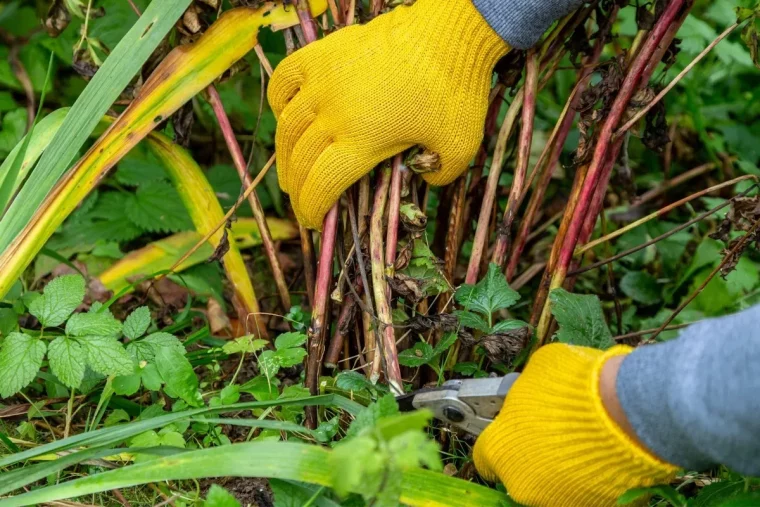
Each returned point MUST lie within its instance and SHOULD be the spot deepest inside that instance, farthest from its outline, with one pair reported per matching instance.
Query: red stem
(253, 199)
(523, 158)
(394, 205)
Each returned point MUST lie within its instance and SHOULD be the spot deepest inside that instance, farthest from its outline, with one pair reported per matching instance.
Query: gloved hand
(419, 75)
(554, 443)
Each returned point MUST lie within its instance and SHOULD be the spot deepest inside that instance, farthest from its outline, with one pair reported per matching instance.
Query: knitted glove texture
(418, 75)
(554, 444)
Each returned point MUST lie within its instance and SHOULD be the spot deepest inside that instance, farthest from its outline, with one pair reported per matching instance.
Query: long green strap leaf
(115, 74)
(117, 434)
(280, 460)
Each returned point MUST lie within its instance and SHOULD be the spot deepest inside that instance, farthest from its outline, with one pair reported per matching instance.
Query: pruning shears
(469, 404)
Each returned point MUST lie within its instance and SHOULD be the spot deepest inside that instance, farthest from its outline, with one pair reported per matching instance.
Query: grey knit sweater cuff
(521, 22)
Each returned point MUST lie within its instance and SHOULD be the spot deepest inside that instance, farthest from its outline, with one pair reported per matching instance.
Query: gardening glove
(553, 443)
(418, 75)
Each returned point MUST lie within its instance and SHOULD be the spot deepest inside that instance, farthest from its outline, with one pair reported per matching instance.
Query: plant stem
(662, 212)
(638, 334)
(309, 262)
(385, 351)
(638, 116)
(258, 211)
(479, 243)
(342, 328)
(601, 158)
(523, 158)
(394, 205)
(726, 259)
(661, 237)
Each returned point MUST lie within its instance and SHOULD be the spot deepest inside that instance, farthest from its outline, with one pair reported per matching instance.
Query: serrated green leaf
(67, 360)
(289, 340)
(151, 378)
(269, 363)
(178, 374)
(248, 344)
(327, 429)
(447, 340)
(162, 340)
(107, 356)
(417, 355)
(116, 417)
(156, 207)
(126, 385)
(349, 380)
(580, 318)
(489, 295)
(368, 418)
(137, 323)
(472, 320)
(60, 298)
(220, 497)
(261, 388)
(290, 356)
(508, 325)
(357, 466)
(414, 449)
(93, 324)
(20, 360)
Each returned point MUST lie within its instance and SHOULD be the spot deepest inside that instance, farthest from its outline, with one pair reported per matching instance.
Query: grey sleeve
(695, 401)
(521, 22)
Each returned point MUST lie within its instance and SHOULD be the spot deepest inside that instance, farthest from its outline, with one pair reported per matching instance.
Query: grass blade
(281, 460)
(117, 71)
(183, 73)
(159, 256)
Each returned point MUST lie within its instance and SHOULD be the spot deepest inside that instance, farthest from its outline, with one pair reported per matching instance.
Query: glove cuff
(554, 424)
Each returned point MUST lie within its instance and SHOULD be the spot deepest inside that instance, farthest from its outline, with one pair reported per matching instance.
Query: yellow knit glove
(419, 75)
(553, 443)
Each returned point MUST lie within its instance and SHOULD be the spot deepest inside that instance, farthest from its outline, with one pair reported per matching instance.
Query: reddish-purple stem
(253, 199)
(394, 205)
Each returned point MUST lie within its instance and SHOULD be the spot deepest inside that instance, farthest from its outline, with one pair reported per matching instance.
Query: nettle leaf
(247, 344)
(581, 320)
(67, 359)
(447, 340)
(352, 381)
(368, 418)
(508, 325)
(162, 340)
(420, 353)
(290, 357)
(60, 298)
(641, 287)
(156, 207)
(178, 374)
(107, 356)
(137, 323)
(89, 324)
(20, 360)
(289, 340)
(220, 497)
(472, 320)
(488, 295)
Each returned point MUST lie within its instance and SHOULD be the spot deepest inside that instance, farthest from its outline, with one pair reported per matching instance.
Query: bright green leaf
(420, 353)
(67, 360)
(289, 340)
(641, 287)
(178, 375)
(472, 320)
(61, 297)
(93, 323)
(20, 360)
(220, 497)
(580, 319)
(137, 323)
(107, 356)
(489, 295)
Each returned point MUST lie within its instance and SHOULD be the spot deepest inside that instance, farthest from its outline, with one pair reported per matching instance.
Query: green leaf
(112, 78)
(290, 357)
(717, 493)
(8, 321)
(289, 340)
(61, 297)
(580, 319)
(93, 323)
(13, 128)
(178, 375)
(219, 497)
(161, 340)
(137, 323)
(327, 429)
(245, 344)
(151, 378)
(508, 325)
(20, 360)
(349, 380)
(230, 394)
(67, 360)
(447, 340)
(420, 353)
(296, 494)
(261, 388)
(156, 207)
(675, 498)
(269, 363)
(368, 418)
(472, 320)
(641, 287)
(116, 417)
(489, 295)
(413, 449)
(107, 356)
(126, 385)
